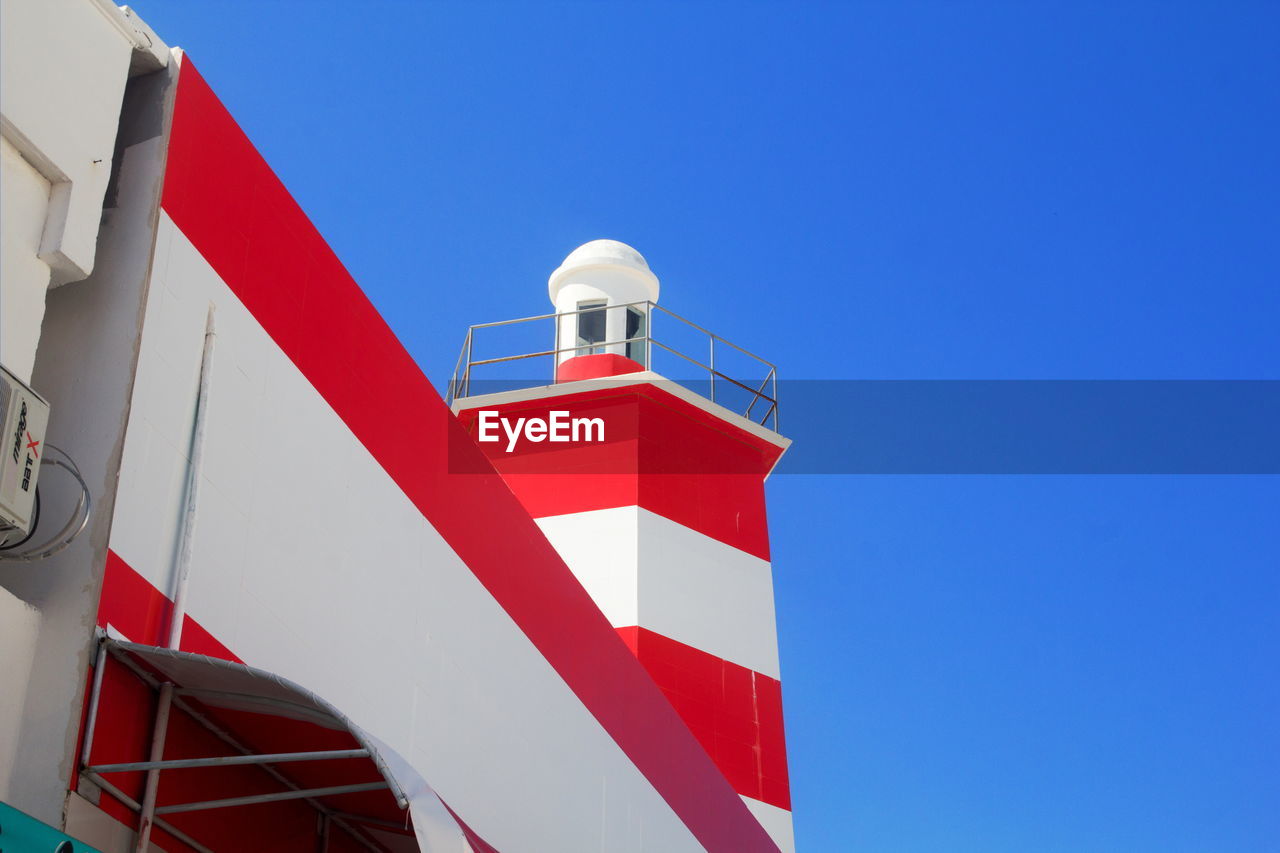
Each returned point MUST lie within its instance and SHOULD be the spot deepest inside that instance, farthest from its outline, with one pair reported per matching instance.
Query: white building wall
(23, 202)
(84, 367)
(19, 625)
(63, 68)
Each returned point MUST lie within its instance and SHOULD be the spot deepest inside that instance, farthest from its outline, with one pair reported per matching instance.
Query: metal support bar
(186, 540)
(133, 805)
(457, 368)
(146, 815)
(712, 338)
(471, 354)
(773, 373)
(646, 303)
(742, 350)
(276, 774)
(372, 821)
(648, 338)
(91, 722)
(723, 376)
(759, 393)
(230, 760)
(555, 358)
(560, 314)
(557, 352)
(302, 794)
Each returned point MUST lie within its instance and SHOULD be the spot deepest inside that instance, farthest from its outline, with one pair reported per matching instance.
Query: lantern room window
(591, 326)
(635, 329)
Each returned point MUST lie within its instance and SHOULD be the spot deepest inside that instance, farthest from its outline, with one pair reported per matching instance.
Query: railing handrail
(460, 386)
(712, 334)
(564, 314)
(651, 305)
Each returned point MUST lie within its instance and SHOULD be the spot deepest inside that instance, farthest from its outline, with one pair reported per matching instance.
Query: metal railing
(763, 405)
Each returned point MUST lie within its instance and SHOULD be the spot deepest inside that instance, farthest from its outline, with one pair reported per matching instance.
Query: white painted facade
(646, 570)
(79, 352)
(19, 627)
(58, 142)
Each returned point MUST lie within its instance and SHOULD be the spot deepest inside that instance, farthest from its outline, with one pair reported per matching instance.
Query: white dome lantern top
(609, 269)
(602, 294)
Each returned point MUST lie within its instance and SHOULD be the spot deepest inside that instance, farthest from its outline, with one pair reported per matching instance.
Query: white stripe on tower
(646, 570)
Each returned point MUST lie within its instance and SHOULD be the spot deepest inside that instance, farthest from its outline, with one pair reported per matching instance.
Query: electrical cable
(35, 522)
(74, 526)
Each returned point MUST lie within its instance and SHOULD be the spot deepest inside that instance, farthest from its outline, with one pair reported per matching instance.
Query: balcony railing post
(648, 336)
(555, 356)
(712, 338)
(466, 376)
(773, 372)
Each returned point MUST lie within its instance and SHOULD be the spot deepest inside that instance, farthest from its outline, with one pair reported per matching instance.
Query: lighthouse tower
(662, 517)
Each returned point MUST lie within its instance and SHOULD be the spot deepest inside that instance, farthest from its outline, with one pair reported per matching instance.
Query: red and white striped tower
(663, 522)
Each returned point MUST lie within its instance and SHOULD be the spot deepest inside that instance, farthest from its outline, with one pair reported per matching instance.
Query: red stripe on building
(224, 198)
(734, 712)
(140, 612)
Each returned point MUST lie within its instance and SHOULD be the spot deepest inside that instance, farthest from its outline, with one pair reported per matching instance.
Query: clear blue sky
(878, 191)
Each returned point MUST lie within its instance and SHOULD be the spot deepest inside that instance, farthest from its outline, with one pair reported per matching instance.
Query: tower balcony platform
(618, 343)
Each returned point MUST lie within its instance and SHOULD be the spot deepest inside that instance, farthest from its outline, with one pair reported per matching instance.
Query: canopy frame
(127, 654)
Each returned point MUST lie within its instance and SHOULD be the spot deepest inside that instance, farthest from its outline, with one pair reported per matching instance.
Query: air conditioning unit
(24, 415)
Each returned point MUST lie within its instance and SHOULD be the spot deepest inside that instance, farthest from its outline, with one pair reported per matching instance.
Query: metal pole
(648, 336)
(92, 721)
(133, 805)
(776, 423)
(231, 760)
(193, 488)
(555, 357)
(272, 798)
(457, 372)
(371, 821)
(146, 816)
(466, 376)
(713, 368)
(160, 729)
